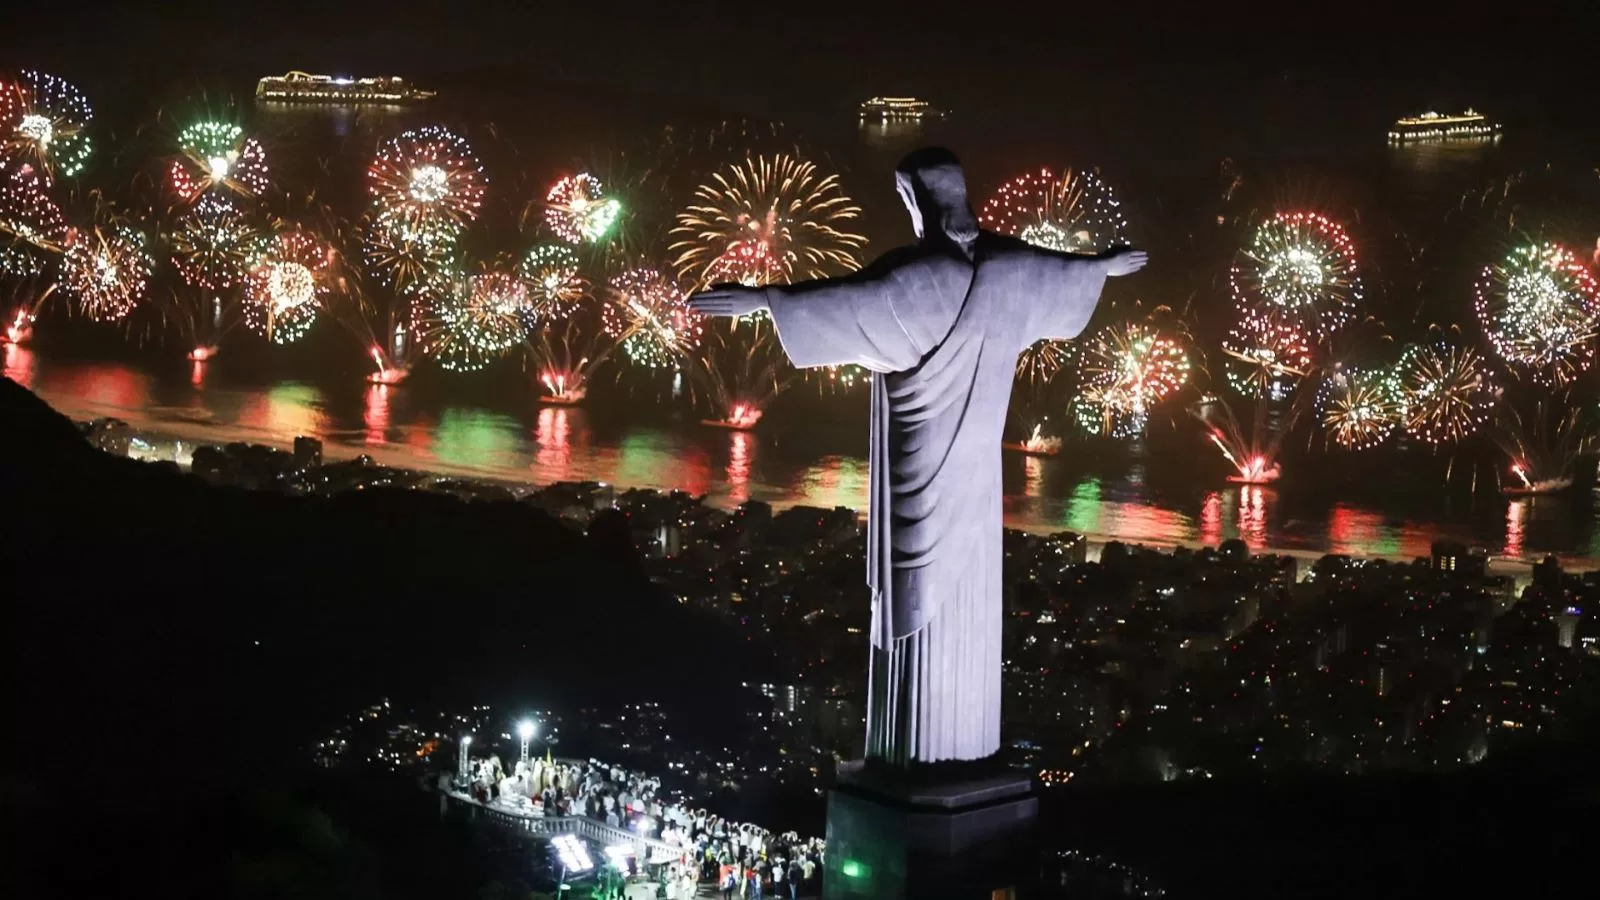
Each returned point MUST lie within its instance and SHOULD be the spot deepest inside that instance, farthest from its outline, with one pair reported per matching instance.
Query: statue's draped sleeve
(1067, 289)
(849, 320)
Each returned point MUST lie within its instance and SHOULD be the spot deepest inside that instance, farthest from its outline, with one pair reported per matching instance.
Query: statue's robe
(942, 331)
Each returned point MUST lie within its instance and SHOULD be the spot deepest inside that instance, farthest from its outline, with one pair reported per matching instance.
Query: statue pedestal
(962, 835)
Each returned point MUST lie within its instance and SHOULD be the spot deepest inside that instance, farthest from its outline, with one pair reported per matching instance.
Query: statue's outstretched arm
(1069, 287)
(848, 320)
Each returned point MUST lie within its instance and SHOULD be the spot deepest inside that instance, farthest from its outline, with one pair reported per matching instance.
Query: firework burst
(650, 318)
(1265, 359)
(770, 219)
(27, 214)
(427, 176)
(750, 263)
(45, 121)
(555, 285)
(1300, 271)
(107, 271)
(1360, 408)
(1071, 211)
(1446, 392)
(213, 244)
(1127, 369)
(1540, 309)
(287, 287)
(578, 210)
(217, 154)
(468, 321)
(403, 254)
(1043, 361)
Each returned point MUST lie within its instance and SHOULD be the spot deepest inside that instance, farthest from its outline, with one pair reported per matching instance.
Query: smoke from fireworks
(213, 244)
(769, 219)
(1446, 392)
(1540, 309)
(287, 287)
(217, 154)
(651, 318)
(44, 120)
(427, 176)
(1299, 271)
(578, 210)
(468, 321)
(107, 270)
(1071, 211)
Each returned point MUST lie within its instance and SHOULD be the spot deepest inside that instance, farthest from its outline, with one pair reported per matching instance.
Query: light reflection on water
(18, 364)
(541, 445)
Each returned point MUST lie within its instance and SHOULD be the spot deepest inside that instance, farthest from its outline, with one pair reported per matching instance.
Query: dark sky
(746, 57)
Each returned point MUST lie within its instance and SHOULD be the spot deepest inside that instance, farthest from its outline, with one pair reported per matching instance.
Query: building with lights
(1432, 126)
(303, 87)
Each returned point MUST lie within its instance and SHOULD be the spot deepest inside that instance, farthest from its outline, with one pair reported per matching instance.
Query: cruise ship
(303, 87)
(898, 109)
(1432, 126)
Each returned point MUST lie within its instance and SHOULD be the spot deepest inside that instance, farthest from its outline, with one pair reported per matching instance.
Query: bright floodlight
(465, 740)
(574, 855)
(619, 855)
(525, 729)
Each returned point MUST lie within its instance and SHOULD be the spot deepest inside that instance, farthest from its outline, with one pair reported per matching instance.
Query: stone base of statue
(959, 832)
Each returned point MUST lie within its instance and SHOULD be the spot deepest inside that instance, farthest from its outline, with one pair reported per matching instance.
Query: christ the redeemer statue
(940, 323)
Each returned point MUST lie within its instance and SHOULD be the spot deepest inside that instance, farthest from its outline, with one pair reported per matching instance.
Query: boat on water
(1536, 488)
(303, 87)
(1037, 444)
(897, 109)
(1031, 449)
(1434, 126)
(741, 417)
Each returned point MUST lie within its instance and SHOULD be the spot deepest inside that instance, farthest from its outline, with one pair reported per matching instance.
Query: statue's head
(934, 189)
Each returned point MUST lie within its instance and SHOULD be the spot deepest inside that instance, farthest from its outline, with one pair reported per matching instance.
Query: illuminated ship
(898, 109)
(302, 87)
(1432, 126)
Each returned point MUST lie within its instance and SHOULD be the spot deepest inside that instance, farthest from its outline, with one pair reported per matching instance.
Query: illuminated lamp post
(525, 732)
(462, 759)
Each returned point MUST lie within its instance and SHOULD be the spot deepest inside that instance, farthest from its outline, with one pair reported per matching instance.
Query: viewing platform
(534, 822)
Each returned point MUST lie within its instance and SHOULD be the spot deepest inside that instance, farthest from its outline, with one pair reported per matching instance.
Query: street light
(461, 758)
(525, 730)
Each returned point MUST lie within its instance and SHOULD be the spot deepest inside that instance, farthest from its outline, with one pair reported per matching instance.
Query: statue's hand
(729, 300)
(1125, 261)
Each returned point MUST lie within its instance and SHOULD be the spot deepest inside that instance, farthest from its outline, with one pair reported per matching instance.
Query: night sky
(772, 58)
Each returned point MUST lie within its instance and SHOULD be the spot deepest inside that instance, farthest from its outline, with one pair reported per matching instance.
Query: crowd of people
(741, 859)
